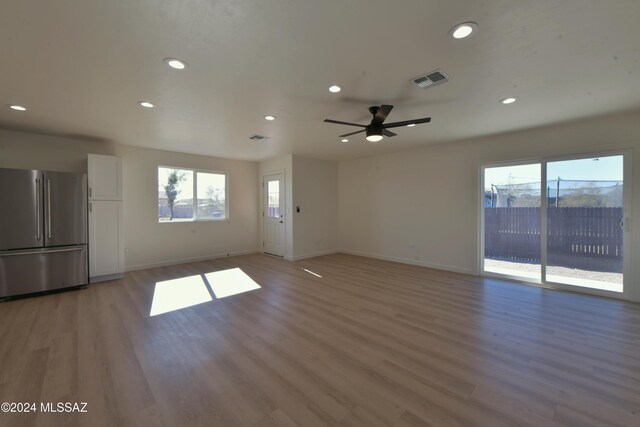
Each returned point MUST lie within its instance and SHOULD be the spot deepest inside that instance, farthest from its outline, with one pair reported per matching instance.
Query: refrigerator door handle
(40, 252)
(38, 201)
(50, 235)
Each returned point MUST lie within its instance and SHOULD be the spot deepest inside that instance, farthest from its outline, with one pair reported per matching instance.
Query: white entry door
(273, 214)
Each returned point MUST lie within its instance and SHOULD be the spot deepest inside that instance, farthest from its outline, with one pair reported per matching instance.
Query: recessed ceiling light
(345, 140)
(176, 63)
(335, 89)
(410, 125)
(145, 104)
(507, 101)
(463, 30)
(270, 118)
(17, 107)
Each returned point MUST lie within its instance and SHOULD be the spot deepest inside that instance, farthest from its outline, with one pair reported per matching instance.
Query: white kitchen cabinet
(106, 245)
(105, 177)
(106, 230)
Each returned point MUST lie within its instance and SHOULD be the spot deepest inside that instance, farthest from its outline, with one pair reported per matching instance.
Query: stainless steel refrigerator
(43, 231)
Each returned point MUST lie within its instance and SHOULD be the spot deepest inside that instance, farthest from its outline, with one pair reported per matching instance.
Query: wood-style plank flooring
(370, 343)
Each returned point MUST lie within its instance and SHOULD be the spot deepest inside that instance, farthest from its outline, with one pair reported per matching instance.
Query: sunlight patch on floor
(311, 272)
(179, 293)
(230, 282)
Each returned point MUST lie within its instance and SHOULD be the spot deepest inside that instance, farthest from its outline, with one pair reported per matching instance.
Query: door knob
(281, 222)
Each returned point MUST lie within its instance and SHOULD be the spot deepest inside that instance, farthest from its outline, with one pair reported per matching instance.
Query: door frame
(283, 197)
(627, 215)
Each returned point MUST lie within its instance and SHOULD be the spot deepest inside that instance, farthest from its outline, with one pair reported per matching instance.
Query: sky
(604, 169)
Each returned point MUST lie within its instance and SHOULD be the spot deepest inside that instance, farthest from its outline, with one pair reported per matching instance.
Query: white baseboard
(105, 278)
(312, 255)
(443, 267)
(305, 256)
(187, 260)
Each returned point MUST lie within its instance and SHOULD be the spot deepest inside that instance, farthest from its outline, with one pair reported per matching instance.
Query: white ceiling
(80, 66)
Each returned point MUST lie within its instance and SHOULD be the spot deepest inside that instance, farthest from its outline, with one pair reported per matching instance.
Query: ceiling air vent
(434, 78)
(257, 137)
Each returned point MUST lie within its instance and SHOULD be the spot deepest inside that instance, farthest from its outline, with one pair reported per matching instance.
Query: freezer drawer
(37, 270)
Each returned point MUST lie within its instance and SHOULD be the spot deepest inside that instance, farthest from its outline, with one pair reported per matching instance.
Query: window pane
(512, 220)
(211, 195)
(175, 194)
(584, 213)
(273, 202)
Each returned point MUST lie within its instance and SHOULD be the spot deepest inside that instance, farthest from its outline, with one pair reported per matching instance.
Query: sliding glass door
(558, 222)
(585, 211)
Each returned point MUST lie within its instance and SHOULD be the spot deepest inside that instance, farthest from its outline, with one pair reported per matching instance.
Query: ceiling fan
(377, 129)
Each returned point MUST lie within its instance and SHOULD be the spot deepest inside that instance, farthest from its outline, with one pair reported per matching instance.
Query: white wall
(149, 243)
(315, 190)
(313, 185)
(429, 196)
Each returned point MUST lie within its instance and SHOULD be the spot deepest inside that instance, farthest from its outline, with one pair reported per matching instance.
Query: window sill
(191, 221)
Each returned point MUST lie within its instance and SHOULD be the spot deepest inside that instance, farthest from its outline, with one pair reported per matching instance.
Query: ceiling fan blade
(381, 114)
(352, 133)
(344, 123)
(388, 133)
(406, 122)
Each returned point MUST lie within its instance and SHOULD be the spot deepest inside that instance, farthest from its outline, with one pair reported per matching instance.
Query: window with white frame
(191, 195)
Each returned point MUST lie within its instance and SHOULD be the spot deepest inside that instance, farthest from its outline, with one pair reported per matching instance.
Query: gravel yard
(599, 276)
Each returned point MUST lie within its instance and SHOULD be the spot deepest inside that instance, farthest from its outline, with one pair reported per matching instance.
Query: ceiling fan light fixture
(378, 129)
(374, 133)
(463, 30)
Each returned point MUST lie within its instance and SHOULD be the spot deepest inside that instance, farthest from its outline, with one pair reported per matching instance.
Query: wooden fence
(583, 238)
